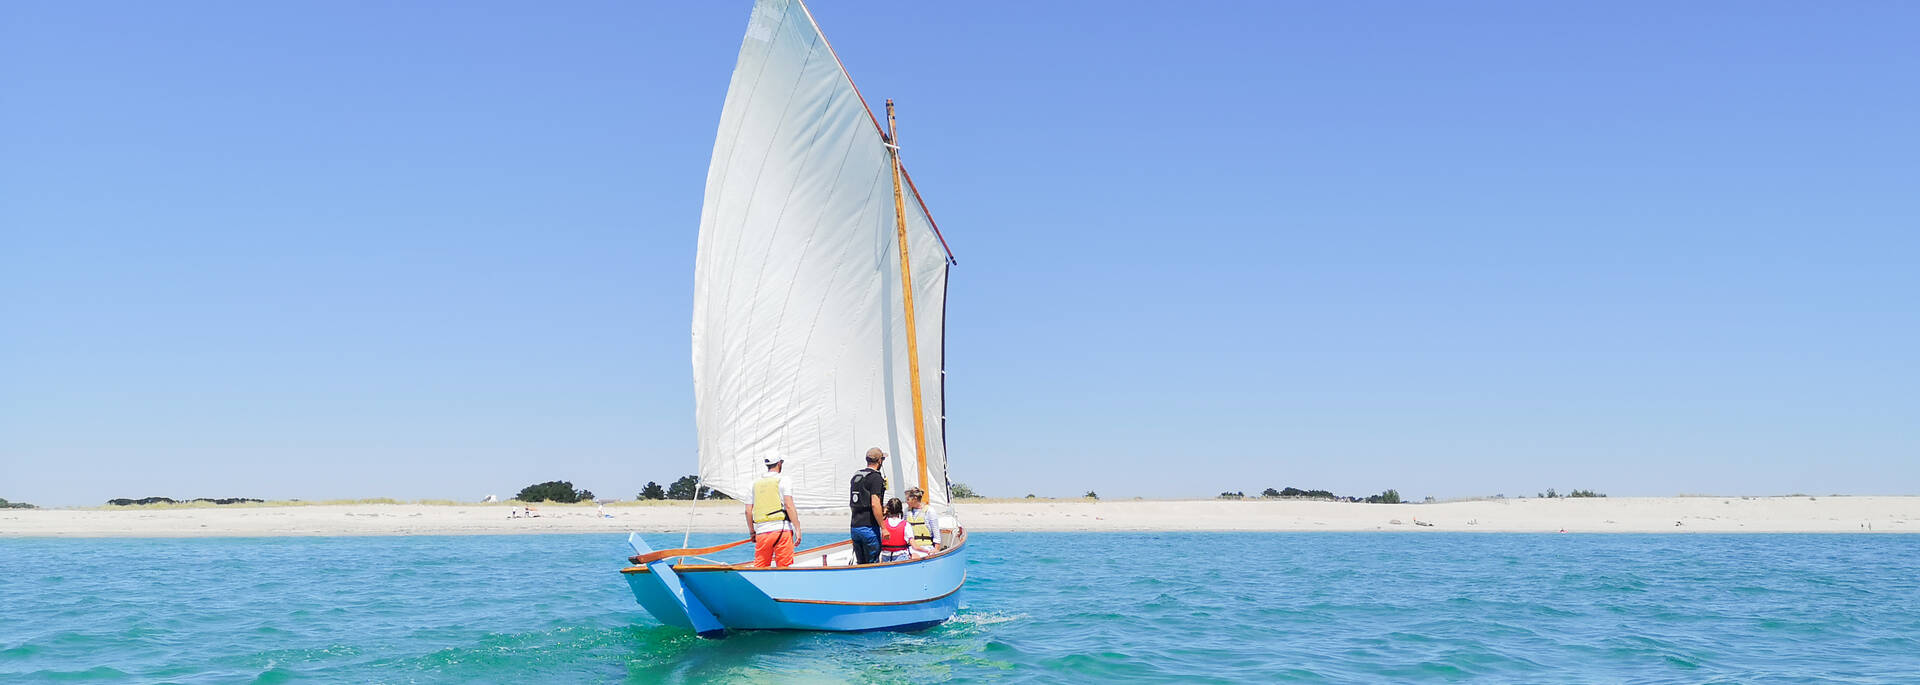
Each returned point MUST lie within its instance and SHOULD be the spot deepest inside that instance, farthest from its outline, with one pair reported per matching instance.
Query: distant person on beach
(925, 526)
(895, 534)
(863, 497)
(771, 518)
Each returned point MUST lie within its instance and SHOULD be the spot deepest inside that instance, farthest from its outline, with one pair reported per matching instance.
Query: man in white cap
(772, 519)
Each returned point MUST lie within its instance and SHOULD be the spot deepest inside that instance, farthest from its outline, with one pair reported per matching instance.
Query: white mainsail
(799, 335)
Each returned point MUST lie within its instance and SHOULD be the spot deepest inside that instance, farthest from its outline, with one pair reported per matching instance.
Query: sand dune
(1603, 515)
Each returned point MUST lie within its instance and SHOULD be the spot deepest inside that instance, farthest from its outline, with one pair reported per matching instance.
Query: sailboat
(818, 332)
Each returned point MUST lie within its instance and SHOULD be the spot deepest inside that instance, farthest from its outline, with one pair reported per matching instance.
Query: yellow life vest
(767, 504)
(920, 531)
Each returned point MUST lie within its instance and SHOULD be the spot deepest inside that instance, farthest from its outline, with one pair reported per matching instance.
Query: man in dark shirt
(863, 497)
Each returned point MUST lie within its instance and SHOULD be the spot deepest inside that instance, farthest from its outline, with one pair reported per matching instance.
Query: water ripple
(1204, 607)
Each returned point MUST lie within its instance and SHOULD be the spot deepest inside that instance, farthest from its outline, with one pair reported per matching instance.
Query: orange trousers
(773, 549)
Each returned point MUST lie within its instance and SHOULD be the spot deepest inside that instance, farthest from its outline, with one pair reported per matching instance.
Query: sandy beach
(1596, 515)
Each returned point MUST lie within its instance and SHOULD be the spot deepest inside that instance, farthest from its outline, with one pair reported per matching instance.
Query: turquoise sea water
(1038, 607)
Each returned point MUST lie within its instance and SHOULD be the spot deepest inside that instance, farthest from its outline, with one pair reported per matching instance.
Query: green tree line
(1391, 496)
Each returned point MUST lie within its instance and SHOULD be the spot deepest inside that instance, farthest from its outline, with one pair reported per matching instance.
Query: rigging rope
(692, 510)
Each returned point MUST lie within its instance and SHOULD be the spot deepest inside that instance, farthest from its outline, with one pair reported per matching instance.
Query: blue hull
(710, 598)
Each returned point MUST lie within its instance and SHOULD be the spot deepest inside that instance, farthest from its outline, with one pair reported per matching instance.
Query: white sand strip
(1599, 515)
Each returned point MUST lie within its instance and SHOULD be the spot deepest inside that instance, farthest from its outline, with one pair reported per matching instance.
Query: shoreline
(1844, 514)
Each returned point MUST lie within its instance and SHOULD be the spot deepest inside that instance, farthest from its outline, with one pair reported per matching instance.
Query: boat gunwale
(708, 568)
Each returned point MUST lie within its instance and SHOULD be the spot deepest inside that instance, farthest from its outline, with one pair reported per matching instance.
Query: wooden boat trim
(642, 559)
(823, 547)
(956, 588)
(650, 557)
(699, 568)
(640, 567)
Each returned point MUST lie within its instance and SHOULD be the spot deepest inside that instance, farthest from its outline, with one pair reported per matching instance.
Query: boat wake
(966, 619)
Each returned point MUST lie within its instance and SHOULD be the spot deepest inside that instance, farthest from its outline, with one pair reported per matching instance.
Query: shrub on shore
(683, 488)
(652, 491)
(689, 487)
(961, 491)
(1391, 496)
(553, 491)
(1297, 492)
(1552, 494)
(4, 504)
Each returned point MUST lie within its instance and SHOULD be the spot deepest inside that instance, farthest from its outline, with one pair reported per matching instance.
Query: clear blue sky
(353, 249)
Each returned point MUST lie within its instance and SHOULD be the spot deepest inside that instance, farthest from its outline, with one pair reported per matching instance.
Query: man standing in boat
(863, 497)
(770, 518)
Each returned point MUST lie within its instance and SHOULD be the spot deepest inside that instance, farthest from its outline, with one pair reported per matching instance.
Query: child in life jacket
(895, 534)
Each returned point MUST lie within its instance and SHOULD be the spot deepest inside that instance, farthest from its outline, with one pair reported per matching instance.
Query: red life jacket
(893, 535)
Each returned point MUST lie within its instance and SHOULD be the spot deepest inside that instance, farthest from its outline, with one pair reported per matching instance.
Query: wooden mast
(906, 287)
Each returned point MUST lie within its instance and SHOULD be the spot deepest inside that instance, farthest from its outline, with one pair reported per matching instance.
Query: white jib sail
(799, 335)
